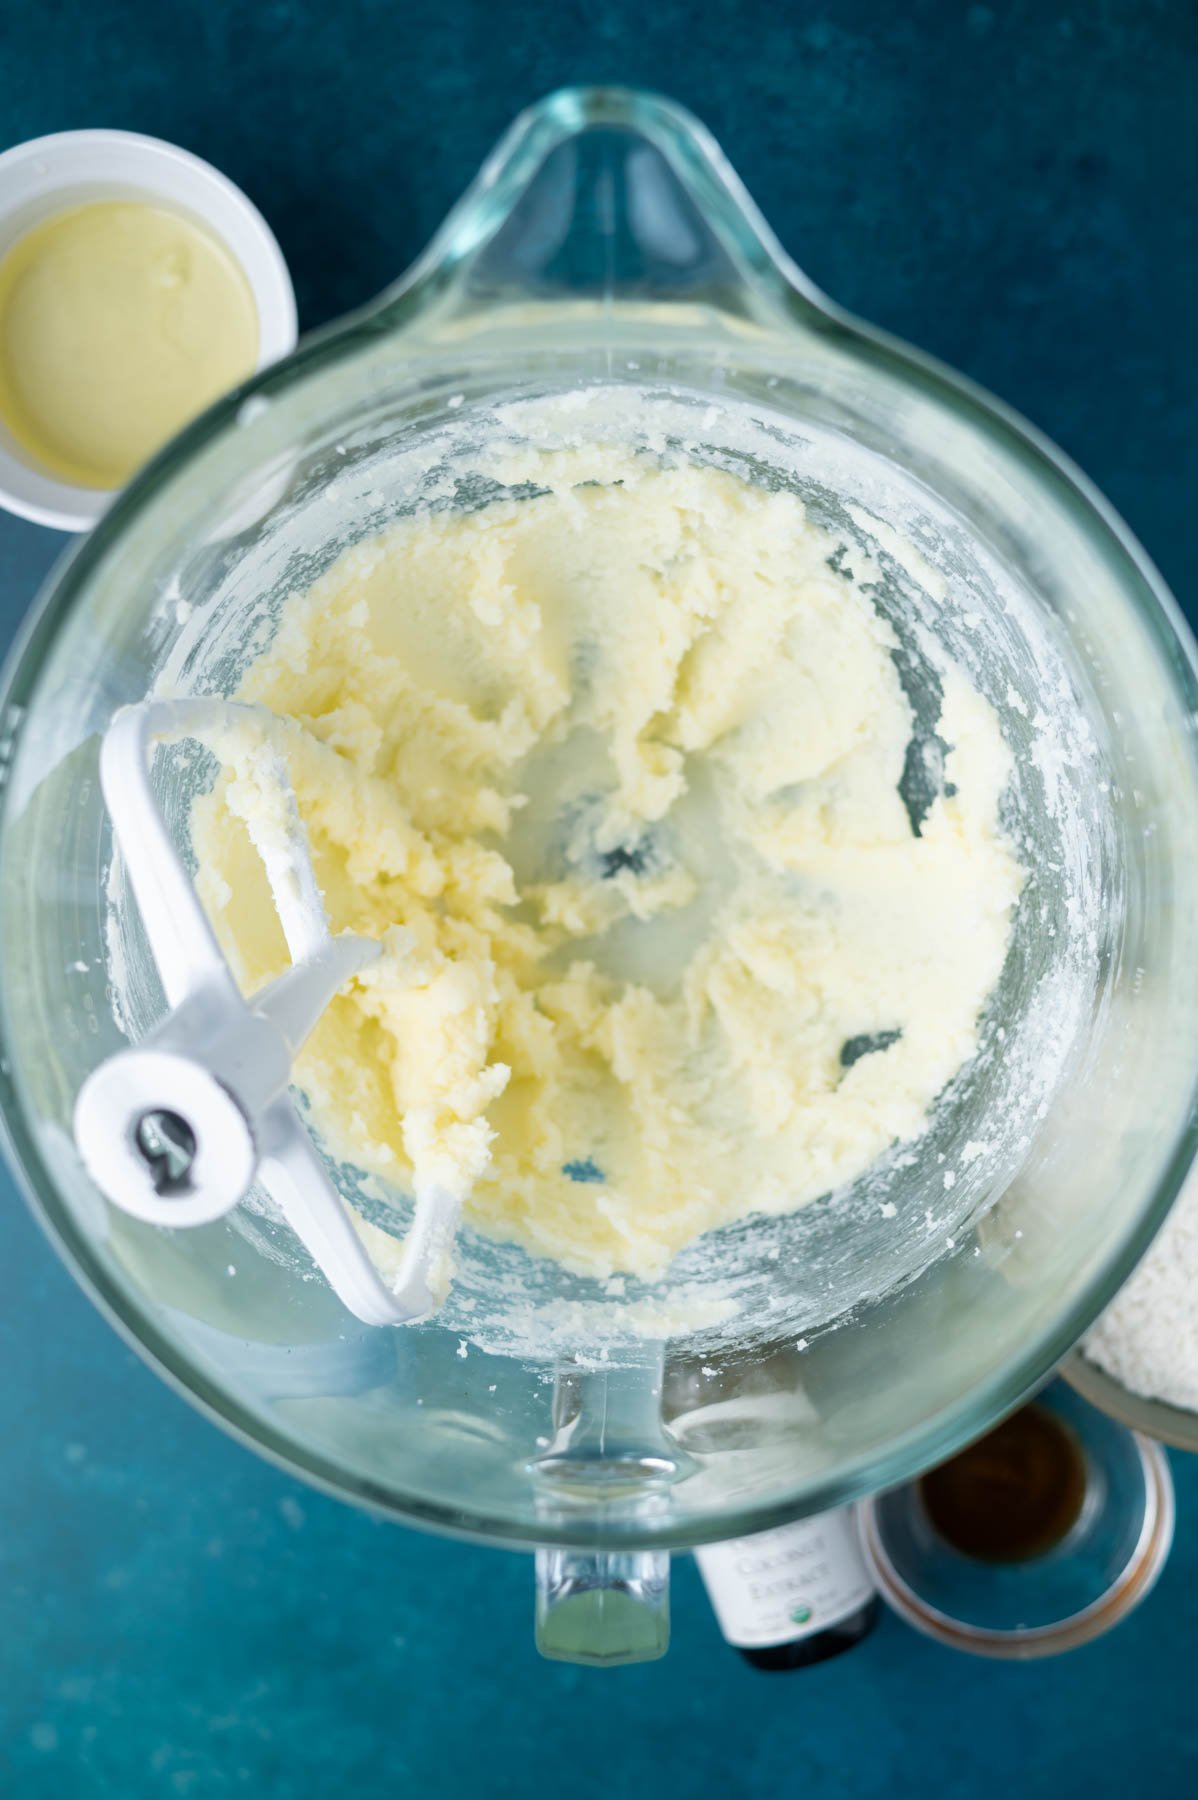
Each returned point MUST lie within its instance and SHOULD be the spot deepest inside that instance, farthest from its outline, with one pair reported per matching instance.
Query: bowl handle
(606, 1474)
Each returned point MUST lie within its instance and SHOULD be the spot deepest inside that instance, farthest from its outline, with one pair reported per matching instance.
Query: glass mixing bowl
(606, 247)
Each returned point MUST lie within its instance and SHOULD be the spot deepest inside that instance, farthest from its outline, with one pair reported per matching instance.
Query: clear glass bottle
(794, 1596)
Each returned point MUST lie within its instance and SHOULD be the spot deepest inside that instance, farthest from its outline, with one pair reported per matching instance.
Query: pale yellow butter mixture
(120, 320)
(613, 773)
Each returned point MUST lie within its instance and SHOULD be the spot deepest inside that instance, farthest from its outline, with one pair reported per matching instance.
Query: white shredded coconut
(1148, 1337)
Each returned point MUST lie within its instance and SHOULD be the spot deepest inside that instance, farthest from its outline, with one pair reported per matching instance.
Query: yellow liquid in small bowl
(119, 321)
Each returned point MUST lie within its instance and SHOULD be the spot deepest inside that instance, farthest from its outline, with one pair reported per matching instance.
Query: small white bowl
(49, 174)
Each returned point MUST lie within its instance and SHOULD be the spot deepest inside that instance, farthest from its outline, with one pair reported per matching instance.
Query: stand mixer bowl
(607, 251)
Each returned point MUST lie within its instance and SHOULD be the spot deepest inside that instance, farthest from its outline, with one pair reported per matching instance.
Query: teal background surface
(1010, 186)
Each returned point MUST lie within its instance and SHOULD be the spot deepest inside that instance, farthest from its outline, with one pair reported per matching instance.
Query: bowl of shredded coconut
(1140, 1361)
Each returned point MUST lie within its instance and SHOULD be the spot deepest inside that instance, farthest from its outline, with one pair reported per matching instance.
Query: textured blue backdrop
(1011, 186)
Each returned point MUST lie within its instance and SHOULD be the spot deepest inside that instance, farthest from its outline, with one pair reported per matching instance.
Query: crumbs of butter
(119, 321)
(671, 951)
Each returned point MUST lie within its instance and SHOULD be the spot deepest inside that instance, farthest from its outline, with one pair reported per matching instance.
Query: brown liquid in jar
(1014, 1494)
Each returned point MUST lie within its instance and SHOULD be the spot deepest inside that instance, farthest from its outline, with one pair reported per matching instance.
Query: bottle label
(780, 1586)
